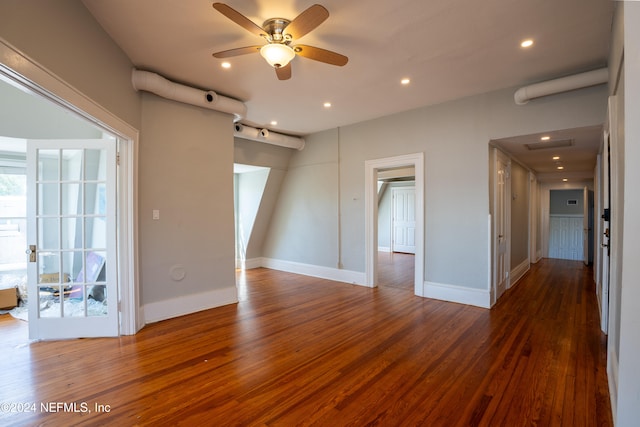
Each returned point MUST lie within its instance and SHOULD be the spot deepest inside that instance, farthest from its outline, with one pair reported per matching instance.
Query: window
(13, 214)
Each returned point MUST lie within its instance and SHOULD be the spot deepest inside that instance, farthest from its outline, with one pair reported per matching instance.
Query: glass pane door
(72, 268)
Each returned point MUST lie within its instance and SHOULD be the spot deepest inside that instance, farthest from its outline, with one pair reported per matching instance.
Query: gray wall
(30, 116)
(185, 172)
(519, 214)
(454, 137)
(558, 202)
(304, 226)
(275, 158)
(250, 190)
(62, 36)
(265, 211)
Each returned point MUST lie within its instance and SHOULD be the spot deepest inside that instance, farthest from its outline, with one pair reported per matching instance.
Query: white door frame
(20, 69)
(601, 239)
(371, 215)
(534, 218)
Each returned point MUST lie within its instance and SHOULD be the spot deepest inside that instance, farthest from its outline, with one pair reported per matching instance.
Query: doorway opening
(46, 108)
(571, 224)
(407, 165)
(249, 184)
(396, 227)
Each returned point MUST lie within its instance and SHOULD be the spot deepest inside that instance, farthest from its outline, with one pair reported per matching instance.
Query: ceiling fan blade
(239, 19)
(322, 55)
(307, 21)
(237, 51)
(284, 73)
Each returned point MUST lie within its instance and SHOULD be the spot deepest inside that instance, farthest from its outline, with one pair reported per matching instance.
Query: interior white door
(603, 296)
(404, 220)
(566, 237)
(71, 231)
(501, 223)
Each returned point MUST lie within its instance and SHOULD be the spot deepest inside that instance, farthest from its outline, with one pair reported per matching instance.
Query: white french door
(71, 232)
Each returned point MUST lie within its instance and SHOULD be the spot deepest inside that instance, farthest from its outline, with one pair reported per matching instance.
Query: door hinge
(118, 159)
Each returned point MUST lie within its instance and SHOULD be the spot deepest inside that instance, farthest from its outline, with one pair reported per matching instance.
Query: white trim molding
(518, 272)
(612, 376)
(458, 294)
(251, 263)
(371, 167)
(338, 275)
(187, 304)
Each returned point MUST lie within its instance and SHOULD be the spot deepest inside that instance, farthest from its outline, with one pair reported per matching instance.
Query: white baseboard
(451, 293)
(458, 294)
(248, 264)
(612, 376)
(187, 304)
(384, 249)
(141, 320)
(517, 273)
(539, 255)
(347, 276)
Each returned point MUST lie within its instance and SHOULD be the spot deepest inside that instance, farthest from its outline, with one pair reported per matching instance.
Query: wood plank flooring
(396, 270)
(303, 351)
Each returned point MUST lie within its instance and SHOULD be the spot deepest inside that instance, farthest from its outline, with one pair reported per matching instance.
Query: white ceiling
(578, 159)
(448, 48)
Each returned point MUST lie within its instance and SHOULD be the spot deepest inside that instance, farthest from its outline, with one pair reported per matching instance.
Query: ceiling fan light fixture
(277, 54)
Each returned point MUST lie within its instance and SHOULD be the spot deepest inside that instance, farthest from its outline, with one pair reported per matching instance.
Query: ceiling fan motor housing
(275, 28)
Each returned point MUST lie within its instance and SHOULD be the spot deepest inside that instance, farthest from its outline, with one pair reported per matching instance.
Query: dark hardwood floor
(303, 351)
(396, 270)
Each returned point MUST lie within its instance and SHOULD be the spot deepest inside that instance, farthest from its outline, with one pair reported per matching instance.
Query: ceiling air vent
(550, 144)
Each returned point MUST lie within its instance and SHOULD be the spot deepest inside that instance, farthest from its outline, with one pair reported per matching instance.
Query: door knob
(32, 253)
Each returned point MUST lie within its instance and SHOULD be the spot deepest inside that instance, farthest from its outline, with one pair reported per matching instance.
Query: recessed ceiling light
(327, 105)
(527, 43)
(564, 180)
(545, 138)
(560, 167)
(405, 81)
(273, 123)
(556, 157)
(226, 65)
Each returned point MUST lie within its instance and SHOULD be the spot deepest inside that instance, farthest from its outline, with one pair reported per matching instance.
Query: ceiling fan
(280, 34)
